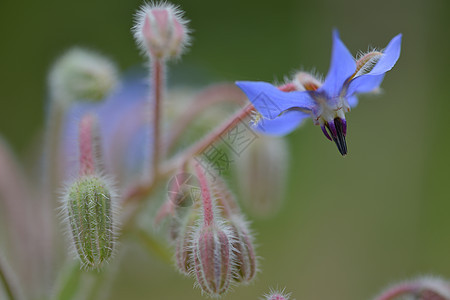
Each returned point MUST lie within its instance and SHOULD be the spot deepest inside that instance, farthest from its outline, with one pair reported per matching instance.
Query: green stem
(154, 246)
(69, 283)
(6, 279)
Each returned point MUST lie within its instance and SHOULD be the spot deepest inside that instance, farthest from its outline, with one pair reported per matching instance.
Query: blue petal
(271, 102)
(370, 81)
(389, 58)
(352, 101)
(282, 125)
(342, 67)
(364, 84)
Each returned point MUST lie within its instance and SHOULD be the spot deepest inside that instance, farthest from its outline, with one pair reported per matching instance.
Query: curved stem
(200, 146)
(219, 93)
(141, 190)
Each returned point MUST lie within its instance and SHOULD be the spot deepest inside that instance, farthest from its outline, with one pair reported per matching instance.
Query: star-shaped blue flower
(281, 109)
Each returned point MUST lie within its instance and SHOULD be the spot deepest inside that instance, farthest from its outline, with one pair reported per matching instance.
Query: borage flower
(282, 109)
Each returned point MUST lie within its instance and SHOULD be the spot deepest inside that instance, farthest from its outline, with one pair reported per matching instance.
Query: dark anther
(337, 130)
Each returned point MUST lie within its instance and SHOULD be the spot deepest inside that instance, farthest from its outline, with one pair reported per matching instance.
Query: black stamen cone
(339, 137)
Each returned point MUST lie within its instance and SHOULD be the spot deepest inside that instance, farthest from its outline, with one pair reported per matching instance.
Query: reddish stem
(219, 93)
(198, 147)
(208, 214)
(86, 140)
(157, 87)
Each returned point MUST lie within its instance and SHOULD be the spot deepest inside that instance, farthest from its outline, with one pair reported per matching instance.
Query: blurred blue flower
(281, 109)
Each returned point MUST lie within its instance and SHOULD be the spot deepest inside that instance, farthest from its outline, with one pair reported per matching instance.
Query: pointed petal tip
(398, 36)
(335, 32)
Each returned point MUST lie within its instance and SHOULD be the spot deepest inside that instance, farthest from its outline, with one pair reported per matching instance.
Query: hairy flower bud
(184, 243)
(304, 81)
(425, 288)
(366, 62)
(88, 202)
(213, 259)
(246, 260)
(262, 191)
(160, 30)
(81, 75)
(277, 295)
(89, 206)
(212, 250)
(246, 263)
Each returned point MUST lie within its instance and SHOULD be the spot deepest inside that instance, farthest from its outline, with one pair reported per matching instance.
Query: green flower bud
(90, 209)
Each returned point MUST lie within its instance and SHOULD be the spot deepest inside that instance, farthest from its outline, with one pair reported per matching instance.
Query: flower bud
(304, 81)
(160, 30)
(184, 242)
(425, 288)
(246, 260)
(213, 259)
(366, 63)
(89, 203)
(277, 295)
(81, 75)
(242, 244)
(262, 191)
(89, 207)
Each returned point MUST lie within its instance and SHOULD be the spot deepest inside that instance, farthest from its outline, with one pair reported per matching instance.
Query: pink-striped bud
(213, 259)
(243, 249)
(212, 250)
(160, 30)
(184, 243)
(425, 288)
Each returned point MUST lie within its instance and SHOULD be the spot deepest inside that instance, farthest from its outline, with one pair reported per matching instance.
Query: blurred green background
(349, 226)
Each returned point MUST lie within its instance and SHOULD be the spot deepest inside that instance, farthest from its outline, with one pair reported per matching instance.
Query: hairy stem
(141, 190)
(157, 87)
(208, 213)
(86, 144)
(218, 93)
(209, 139)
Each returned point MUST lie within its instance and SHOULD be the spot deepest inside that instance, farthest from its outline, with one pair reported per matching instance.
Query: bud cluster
(212, 240)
